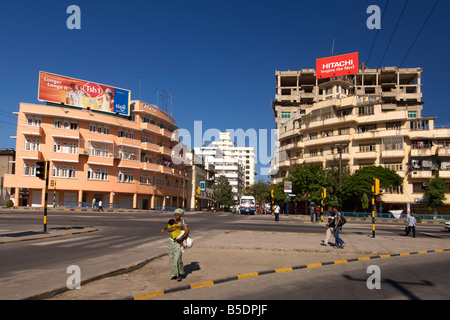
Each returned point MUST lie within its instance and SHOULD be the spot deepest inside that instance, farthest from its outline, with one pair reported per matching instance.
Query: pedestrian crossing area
(99, 241)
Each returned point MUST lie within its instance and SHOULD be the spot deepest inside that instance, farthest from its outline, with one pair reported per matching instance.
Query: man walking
(411, 224)
(277, 212)
(100, 205)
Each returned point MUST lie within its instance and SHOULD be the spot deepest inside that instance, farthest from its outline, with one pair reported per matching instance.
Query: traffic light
(40, 170)
(376, 183)
(324, 193)
(271, 193)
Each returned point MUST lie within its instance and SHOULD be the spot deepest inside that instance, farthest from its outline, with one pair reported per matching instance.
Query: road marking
(64, 241)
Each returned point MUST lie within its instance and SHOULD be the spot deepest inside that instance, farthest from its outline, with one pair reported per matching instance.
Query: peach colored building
(123, 162)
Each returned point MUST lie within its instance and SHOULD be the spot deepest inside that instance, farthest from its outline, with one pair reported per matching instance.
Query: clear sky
(217, 57)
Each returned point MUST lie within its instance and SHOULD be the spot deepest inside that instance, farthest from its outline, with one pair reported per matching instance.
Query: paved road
(126, 239)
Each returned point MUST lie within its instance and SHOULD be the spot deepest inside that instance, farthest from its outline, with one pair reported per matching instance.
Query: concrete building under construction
(373, 117)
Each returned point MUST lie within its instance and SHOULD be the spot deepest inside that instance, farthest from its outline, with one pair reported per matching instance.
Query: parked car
(447, 225)
(214, 209)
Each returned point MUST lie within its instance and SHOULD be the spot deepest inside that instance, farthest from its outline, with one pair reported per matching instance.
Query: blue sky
(218, 57)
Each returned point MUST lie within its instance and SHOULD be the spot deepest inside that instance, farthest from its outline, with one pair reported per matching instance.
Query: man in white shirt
(277, 212)
(411, 224)
(75, 97)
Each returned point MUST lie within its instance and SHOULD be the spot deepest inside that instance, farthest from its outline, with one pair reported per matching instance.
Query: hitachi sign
(337, 66)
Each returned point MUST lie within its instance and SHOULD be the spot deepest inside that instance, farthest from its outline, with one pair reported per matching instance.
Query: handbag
(189, 242)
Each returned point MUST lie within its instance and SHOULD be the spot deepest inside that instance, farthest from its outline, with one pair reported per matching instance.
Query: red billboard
(337, 66)
(84, 94)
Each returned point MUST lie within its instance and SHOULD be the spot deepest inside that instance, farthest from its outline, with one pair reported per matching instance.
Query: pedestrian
(411, 224)
(176, 269)
(329, 225)
(337, 227)
(317, 212)
(311, 211)
(277, 212)
(100, 205)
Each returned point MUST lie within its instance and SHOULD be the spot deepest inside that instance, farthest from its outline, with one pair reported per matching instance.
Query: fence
(368, 215)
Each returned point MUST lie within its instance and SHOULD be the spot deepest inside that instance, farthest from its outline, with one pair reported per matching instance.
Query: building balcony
(98, 160)
(365, 155)
(31, 155)
(393, 153)
(127, 142)
(424, 152)
(337, 157)
(150, 127)
(129, 164)
(314, 159)
(31, 130)
(149, 146)
(422, 174)
(64, 157)
(444, 174)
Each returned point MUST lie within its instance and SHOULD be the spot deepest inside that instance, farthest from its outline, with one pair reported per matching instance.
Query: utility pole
(375, 192)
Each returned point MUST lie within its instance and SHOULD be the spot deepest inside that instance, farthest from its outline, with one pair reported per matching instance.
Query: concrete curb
(279, 270)
(41, 235)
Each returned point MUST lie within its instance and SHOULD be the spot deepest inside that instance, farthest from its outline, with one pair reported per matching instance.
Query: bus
(247, 204)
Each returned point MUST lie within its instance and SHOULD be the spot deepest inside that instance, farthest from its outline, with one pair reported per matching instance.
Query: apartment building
(125, 162)
(235, 163)
(373, 117)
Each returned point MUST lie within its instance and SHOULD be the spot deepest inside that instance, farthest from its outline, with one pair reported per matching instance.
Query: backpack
(342, 221)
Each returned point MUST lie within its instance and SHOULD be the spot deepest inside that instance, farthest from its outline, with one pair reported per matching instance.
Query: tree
(435, 192)
(365, 202)
(360, 182)
(223, 192)
(259, 190)
(307, 181)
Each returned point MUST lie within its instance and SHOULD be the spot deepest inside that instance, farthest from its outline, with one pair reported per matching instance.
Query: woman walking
(176, 270)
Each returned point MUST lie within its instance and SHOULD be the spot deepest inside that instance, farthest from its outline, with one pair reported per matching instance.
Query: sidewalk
(231, 256)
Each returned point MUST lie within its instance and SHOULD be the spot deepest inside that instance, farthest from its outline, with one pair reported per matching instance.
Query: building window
(55, 171)
(412, 114)
(125, 176)
(29, 169)
(285, 115)
(365, 110)
(367, 147)
(393, 125)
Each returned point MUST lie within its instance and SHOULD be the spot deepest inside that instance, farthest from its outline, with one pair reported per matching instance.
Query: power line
(395, 29)
(418, 34)
(376, 34)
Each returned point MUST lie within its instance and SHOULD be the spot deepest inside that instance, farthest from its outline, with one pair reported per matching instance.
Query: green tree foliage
(435, 192)
(259, 190)
(223, 192)
(307, 181)
(360, 183)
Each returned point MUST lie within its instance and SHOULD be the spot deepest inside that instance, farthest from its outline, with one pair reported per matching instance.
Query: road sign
(288, 187)
(202, 185)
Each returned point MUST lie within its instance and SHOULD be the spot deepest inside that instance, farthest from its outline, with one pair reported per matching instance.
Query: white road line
(63, 241)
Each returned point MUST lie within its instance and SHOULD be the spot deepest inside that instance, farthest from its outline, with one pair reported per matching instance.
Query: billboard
(337, 66)
(84, 94)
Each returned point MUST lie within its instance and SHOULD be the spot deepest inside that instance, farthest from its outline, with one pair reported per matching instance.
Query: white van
(247, 204)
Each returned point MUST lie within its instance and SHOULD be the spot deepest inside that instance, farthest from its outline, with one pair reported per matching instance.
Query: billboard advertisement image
(337, 65)
(84, 94)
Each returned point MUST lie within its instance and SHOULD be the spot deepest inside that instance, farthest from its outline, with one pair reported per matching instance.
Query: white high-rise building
(235, 163)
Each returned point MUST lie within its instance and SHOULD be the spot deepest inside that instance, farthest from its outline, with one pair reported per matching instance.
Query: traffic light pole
(46, 194)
